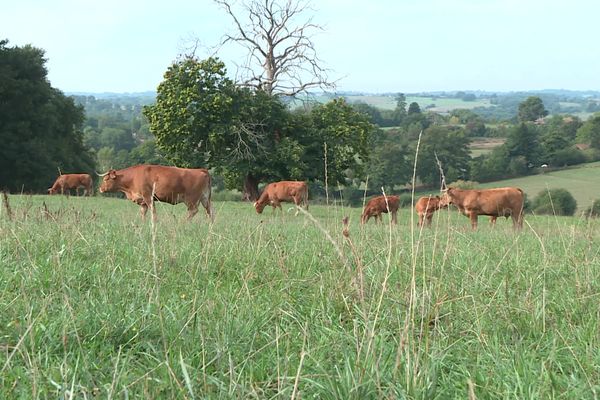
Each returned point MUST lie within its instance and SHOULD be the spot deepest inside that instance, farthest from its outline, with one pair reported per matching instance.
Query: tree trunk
(250, 188)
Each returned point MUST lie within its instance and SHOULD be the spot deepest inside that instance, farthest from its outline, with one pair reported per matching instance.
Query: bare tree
(281, 54)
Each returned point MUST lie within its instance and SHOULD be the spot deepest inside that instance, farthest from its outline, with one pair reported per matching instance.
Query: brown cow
(277, 192)
(425, 207)
(169, 184)
(378, 205)
(499, 202)
(72, 181)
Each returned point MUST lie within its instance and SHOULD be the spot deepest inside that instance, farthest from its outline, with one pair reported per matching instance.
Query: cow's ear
(112, 174)
(437, 197)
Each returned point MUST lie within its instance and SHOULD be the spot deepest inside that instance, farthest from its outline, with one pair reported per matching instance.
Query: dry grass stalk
(7, 206)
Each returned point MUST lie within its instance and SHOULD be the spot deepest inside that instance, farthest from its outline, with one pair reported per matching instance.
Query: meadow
(96, 303)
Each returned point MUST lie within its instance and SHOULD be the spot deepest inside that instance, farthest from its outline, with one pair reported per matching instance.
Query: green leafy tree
(590, 132)
(201, 118)
(348, 135)
(531, 109)
(399, 112)
(523, 141)
(492, 166)
(552, 142)
(389, 166)
(414, 108)
(40, 127)
(452, 149)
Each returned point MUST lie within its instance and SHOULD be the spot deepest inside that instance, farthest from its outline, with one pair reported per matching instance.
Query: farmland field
(442, 105)
(483, 145)
(96, 303)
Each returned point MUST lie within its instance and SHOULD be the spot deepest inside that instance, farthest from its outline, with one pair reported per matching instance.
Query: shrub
(460, 184)
(226, 195)
(568, 156)
(594, 209)
(554, 202)
(405, 200)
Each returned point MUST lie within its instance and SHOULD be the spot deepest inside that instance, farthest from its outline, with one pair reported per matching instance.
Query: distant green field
(441, 104)
(582, 182)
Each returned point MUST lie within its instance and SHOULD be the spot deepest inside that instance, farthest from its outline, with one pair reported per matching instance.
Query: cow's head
(446, 198)
(110, 181)
(364, 218)
(259, 207)
(51, 191)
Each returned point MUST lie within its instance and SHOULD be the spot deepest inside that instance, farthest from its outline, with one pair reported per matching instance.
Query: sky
(371, 46)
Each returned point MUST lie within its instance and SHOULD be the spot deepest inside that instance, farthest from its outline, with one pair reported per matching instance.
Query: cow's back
(285, 190)
(496, 201)
(168, 183)
(427, 204)
(379, 203)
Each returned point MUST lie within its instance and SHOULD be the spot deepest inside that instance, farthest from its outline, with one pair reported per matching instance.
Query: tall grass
(96, 302)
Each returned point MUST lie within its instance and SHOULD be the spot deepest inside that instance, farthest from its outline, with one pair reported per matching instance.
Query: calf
(277, 192)
(378, 205)
(425, 207)
(72, 181)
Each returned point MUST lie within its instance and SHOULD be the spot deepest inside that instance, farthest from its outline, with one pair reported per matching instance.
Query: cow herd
(143, 184)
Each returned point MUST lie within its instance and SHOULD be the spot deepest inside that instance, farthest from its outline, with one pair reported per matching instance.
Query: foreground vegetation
(94, 302)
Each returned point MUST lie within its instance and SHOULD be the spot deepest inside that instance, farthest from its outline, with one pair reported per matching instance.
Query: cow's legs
(192, 210)
(149, 202)
(205, 200)
(429, 218)
(473, 217)
(143, 210)
(395, 217)
(493, 220)
(517, 220)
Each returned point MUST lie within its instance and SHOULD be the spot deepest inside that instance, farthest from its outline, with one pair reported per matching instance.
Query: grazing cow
(425, 207)
(378, 205)
(72, 181)
(499, 202)
(277, 192)
(168, 184)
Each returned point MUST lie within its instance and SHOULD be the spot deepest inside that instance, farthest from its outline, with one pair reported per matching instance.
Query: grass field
(483, 145)
(583, 182)
(96, 303)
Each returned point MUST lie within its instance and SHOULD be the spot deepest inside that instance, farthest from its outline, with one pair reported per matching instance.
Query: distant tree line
(247, 136)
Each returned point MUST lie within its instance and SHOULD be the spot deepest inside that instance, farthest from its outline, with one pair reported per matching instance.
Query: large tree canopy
(531, 109)
(451, 147)
(201, 118)
(40, 128)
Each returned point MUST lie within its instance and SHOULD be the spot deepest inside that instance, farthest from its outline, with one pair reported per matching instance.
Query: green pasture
(583, 182)
(96, 303)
